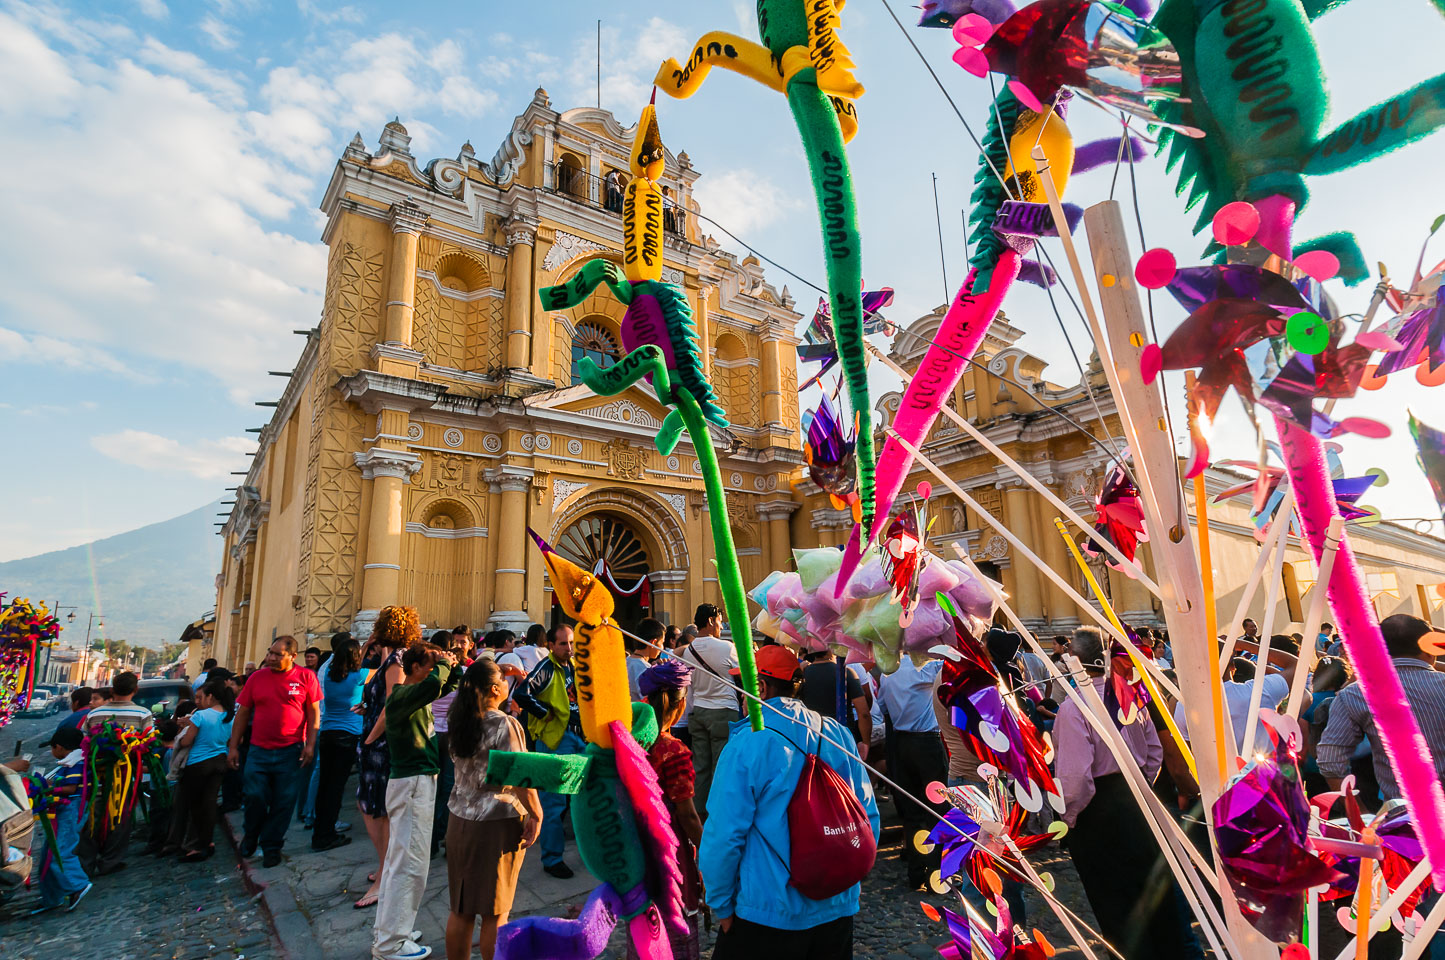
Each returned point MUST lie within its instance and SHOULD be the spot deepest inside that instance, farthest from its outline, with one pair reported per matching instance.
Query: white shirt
(1236, 697)
(529, 655)
(709, 655)
(875, 712)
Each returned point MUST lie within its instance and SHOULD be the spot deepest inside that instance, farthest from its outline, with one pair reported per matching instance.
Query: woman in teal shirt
(342, 683)
(208, 730)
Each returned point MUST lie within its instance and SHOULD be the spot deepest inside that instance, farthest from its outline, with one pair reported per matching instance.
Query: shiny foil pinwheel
(997, 730)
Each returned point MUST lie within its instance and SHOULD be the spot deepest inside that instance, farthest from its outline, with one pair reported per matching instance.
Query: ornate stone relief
(543, 441)
(448, 472)
(677, 501)
(562, 489)
(566, 247)
(528, 442)
(623, 459)
(624, 411)
(673, 463)
(574, 447)
(453, 437)
(414, 431)
(491, 443)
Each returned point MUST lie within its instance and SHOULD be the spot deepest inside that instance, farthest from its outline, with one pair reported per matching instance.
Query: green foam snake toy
(801, 57)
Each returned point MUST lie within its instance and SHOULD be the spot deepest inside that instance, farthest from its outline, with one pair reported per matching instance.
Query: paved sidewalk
(310, 897)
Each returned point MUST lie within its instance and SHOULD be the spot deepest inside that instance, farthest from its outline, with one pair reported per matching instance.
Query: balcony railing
(606, 193)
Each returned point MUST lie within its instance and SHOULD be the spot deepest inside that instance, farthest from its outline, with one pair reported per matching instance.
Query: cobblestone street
(152, 910)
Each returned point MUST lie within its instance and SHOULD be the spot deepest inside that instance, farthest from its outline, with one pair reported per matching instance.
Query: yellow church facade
(434, 415)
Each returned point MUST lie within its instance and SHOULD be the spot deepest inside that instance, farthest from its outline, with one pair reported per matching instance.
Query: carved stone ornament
(453, 437)
(520, 232)
(997, 548)
(413, 431)
(379, 462)
(449, 473)
(624, 411)
(562, 489)
(528, 442)
(491, 443)
(736, 479)
(677, 501)
(539, 486)
(543, 442)
(673, 463)
(574, 447)
(508, 159)
(566, 248)
(623, 459)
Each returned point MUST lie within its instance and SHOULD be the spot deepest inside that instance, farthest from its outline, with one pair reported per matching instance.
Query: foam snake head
(647, 156)
(581, 594)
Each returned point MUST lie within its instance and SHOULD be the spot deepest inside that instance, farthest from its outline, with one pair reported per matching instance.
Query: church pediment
(633, 407)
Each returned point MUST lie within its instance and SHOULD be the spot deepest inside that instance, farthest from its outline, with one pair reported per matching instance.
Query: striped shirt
(1351, 721)
(120, 713)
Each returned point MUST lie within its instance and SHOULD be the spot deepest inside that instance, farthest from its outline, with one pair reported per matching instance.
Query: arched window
(571, 179)
(596, 344)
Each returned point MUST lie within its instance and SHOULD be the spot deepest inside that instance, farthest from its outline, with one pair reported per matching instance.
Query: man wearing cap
(62, 880)
(741, 856)
(1350, 718)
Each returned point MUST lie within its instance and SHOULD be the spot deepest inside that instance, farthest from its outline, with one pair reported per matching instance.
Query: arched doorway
(611, 546)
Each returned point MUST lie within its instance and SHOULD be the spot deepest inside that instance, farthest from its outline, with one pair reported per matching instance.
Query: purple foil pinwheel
(1261, 824)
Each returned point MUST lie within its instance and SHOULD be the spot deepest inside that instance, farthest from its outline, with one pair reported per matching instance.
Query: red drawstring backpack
(832, 846)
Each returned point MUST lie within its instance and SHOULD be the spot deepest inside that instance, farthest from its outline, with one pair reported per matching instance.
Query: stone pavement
(152, 910)
(310, 897)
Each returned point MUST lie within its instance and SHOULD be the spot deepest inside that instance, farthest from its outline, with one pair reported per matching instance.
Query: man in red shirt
(281, 702)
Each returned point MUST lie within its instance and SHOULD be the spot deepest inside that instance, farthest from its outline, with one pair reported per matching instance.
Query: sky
(160, 237)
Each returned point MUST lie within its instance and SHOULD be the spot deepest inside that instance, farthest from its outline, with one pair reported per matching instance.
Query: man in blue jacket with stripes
(745, 842)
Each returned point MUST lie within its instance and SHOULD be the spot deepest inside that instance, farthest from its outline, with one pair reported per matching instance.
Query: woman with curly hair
(396, 629)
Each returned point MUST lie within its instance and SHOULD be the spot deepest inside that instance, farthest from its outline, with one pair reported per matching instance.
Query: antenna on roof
(599, 64)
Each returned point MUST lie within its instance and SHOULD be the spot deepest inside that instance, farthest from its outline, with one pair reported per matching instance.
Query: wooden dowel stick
(1133, 655)
(1282, 518)
(1256, 690)
(1380, 922)
(1134, 569)
(1224, 745)
(1363, 895)
(1316, 613)
(1033, 558)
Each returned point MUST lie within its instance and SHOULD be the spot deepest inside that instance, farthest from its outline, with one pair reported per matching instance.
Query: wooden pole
(1156, 467)
(1134, 570)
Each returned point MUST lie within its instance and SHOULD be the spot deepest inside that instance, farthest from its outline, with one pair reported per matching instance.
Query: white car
(41, 705)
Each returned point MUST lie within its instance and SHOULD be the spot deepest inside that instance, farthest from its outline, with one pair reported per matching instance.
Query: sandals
(196, 856)
(370, 900)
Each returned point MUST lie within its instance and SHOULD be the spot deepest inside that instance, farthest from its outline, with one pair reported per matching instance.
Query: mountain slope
(149, 582)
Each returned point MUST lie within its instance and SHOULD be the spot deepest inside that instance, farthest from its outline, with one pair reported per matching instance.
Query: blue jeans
(446, 777)
(63, 875)
(270, 785)
(1013, 889)
(554, 805)
(306, 799)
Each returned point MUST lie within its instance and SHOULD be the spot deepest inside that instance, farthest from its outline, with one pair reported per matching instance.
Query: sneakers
(271, 858)
(249, 845)
(342, 826)
(410, 950)
(73, 901)
(559, 870)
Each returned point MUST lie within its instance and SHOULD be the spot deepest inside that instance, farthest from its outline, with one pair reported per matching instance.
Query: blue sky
(159, 231)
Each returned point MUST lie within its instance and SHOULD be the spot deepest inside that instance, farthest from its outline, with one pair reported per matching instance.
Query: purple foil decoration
(1430, 454)
(1261, 826)
(1193, 287)
(1422, 339)
(829, 452)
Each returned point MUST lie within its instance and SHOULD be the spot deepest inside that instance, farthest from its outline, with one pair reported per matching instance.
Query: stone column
(774, 515)
(509, 582)
(704, 324)
(1063, 613)
(407, 221)
(1028, 598)
(521, 238)
(387, 471)
(1133, 602)
(772, 381)
(669, 596)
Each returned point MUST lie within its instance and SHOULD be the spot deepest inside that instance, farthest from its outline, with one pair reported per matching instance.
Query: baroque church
(435, 414)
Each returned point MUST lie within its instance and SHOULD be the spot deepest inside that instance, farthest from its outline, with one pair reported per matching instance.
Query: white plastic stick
(1134, 570)
(1316, 613)
(1048, 571)
(1391, 904)
(1281, 519)
(1256, 689)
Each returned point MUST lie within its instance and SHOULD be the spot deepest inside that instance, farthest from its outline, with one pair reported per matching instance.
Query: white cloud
(155, 9)
(192, 184)
(326, 16)
(208, 459)
(743, 201)
(221, 34)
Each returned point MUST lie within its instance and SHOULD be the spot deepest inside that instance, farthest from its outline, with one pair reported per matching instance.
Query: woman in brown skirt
(489, 827)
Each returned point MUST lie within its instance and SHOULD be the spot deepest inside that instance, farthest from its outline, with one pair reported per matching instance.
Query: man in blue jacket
(746, 843)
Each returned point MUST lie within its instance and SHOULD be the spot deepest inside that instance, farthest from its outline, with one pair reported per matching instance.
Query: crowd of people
(416, 718)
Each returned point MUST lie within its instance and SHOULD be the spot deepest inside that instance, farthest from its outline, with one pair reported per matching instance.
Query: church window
(594, 343)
